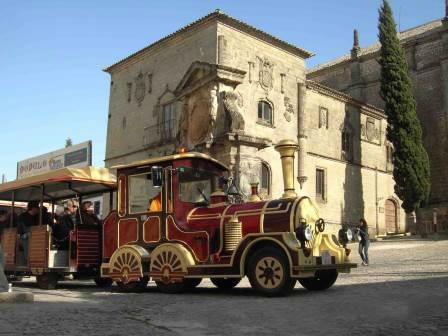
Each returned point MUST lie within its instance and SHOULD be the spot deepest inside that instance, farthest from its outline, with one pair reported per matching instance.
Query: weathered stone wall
(426, 49)
(162, 69)
(353, 183)
(256, 71)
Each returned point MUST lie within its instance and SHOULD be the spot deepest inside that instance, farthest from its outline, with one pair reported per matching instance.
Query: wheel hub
(269, 272)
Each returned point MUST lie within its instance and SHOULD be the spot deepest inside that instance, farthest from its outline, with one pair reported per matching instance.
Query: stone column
(301, 133)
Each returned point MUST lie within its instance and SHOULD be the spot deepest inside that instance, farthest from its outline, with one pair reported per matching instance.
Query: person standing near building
(364, 241)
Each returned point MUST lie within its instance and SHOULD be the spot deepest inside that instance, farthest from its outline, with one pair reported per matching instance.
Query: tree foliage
(411, 163)
(68, 142)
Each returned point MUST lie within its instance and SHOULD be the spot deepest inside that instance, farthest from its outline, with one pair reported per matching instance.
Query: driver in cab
(155, 203)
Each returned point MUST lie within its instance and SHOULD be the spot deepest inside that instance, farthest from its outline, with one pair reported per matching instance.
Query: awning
(59, 184)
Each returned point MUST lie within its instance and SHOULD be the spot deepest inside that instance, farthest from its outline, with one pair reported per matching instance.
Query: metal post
(434, 219)
(11, 218)
(42, 191)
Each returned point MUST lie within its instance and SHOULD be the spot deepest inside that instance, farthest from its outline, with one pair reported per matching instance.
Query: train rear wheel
(171, 288)
(268, 272)
(133, 286)
(47, 280)
(191, 283)
(225, 283)
(103, 282)
(321, 281)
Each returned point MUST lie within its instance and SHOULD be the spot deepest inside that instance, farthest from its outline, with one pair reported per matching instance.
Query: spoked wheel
(268, 272)
(47, 280)
(321, 281)
(225, 283)
(132, 286)
(191, 283)
(103, 282)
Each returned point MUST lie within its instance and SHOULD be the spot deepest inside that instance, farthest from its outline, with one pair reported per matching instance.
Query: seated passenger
(27, 219)
(61, 229)
(87, 215)
(46, 217)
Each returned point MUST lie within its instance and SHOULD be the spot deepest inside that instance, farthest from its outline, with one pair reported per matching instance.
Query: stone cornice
(213, 17)
(210, 72)
(365, 108)
(407, 37)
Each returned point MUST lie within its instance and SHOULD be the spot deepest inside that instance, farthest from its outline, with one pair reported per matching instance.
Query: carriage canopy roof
(59, 184)
(188, 155)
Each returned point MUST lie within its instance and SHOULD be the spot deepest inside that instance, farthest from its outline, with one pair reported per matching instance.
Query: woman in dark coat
(364, 241)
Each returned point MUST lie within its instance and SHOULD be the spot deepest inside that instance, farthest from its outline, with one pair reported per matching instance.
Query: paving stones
(404, 291)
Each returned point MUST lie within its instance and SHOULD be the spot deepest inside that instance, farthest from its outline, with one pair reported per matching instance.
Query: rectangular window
(168, 121)
(320, 184)
(323, 117)
(389, 153)
(346, 144)
(141, 193)
(264, 113)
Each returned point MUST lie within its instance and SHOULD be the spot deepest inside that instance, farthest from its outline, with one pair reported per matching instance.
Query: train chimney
(287, 148)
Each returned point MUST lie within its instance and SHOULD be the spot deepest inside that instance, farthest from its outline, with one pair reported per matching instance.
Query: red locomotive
(174, 225)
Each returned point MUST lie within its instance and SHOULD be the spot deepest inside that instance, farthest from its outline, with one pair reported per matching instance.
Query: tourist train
(179, 219)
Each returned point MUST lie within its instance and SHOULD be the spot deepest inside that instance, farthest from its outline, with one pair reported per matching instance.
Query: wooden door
(391, 216)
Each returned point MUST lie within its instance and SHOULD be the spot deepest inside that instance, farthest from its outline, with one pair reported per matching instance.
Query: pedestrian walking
(364, 242)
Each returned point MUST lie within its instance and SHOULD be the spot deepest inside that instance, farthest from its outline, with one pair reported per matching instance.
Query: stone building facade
(225, 88)
(426, 49)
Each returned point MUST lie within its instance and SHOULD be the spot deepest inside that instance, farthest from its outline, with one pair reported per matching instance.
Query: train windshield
(195, 185)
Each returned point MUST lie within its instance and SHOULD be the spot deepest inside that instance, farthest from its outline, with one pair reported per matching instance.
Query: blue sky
(52, 53)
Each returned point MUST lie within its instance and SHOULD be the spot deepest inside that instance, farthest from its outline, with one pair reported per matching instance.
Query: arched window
(265, 112)
(265, 179)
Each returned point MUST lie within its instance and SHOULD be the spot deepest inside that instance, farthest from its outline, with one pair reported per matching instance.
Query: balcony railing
(159, 134)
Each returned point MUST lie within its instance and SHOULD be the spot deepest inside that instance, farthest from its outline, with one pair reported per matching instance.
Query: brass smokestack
(287, 148)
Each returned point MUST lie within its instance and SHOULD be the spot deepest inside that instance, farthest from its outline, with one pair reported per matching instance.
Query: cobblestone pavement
(403, 292)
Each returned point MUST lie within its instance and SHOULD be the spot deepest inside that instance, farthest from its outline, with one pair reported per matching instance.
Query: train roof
(192, 155)
(60, 184)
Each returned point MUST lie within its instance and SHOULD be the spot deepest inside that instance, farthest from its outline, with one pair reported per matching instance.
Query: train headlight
(349, 234)
(304, 232)
(307, 233)
(345, 236)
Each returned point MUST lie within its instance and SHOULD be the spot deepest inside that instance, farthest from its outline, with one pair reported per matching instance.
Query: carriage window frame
(148, 197)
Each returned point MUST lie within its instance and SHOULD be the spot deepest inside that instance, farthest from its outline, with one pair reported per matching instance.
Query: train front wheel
(225, 283)
(268, 272)
(321, 281)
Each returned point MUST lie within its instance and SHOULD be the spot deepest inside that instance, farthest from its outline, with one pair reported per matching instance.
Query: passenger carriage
(46, 260)
(195, 232)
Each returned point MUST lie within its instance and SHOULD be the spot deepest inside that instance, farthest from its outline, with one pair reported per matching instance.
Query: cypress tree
(411, 163)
